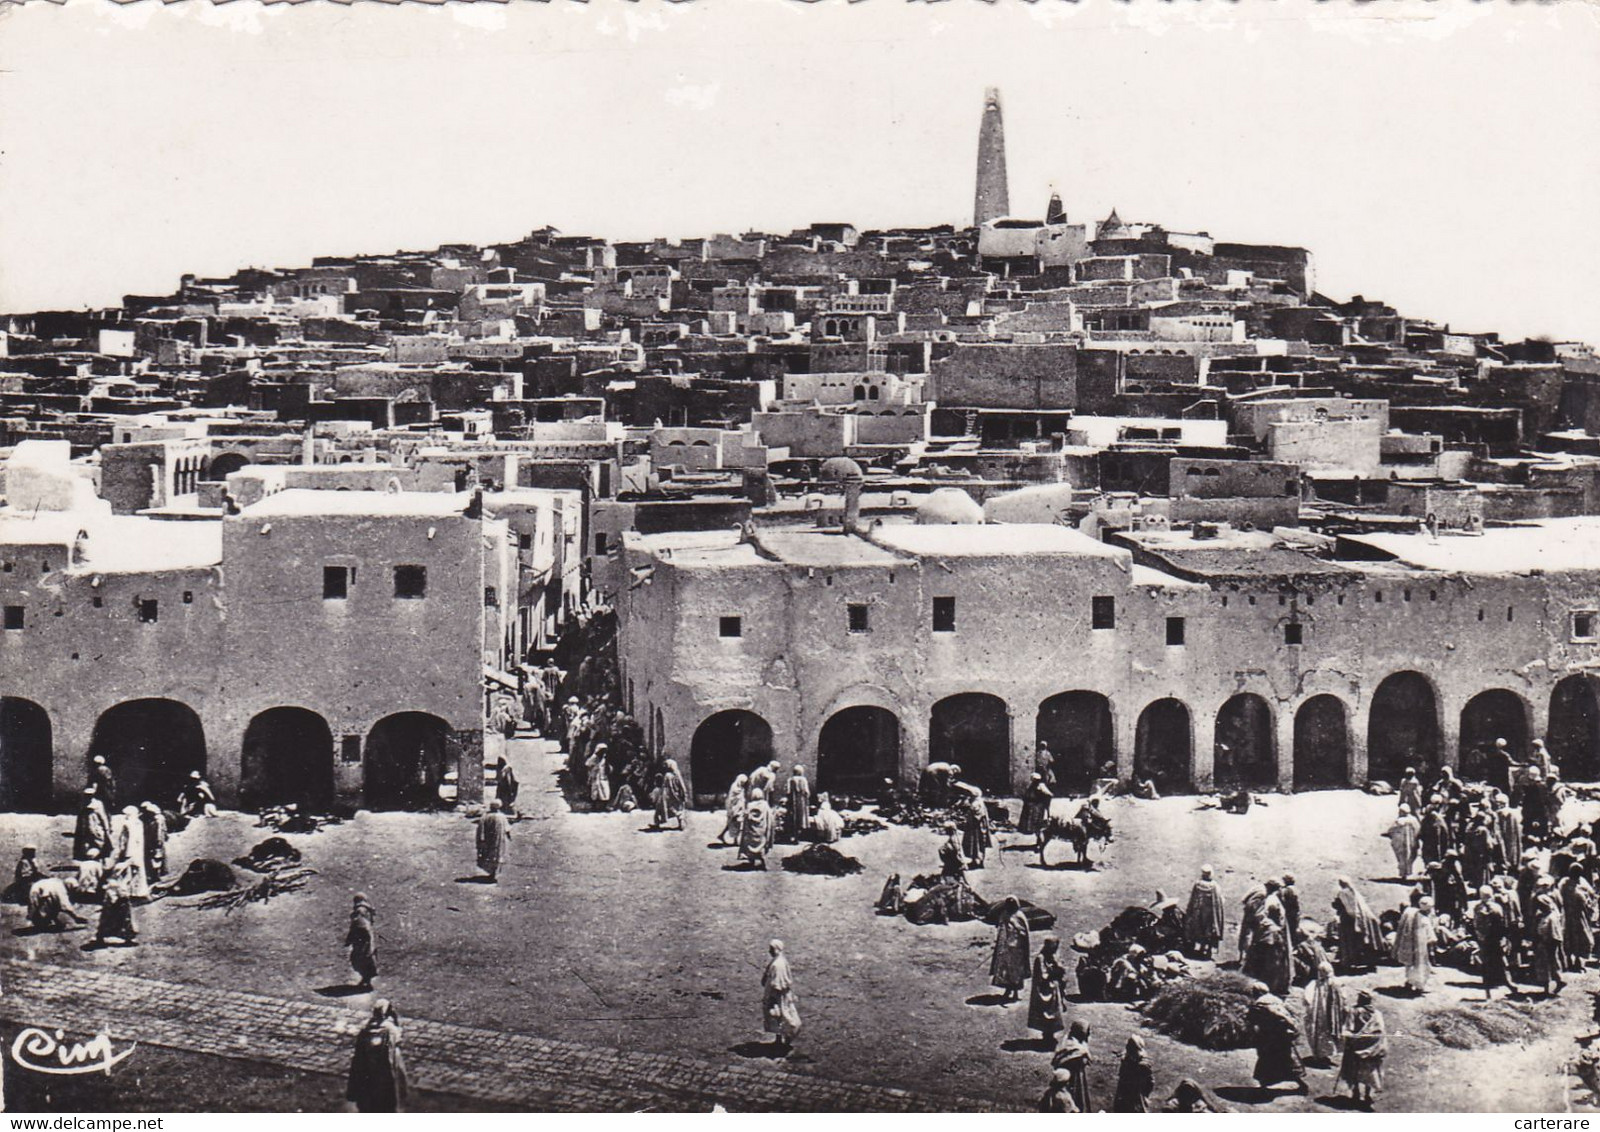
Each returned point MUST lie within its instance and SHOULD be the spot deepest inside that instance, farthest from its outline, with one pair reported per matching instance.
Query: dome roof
(948, 505)
(839, 469)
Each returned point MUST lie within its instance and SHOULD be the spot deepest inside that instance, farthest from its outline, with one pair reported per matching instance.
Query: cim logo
(45, 1051)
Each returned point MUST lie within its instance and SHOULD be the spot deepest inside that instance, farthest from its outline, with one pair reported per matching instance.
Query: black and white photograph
(764, 556)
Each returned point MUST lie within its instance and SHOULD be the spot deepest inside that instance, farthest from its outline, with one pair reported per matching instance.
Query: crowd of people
(117, 862)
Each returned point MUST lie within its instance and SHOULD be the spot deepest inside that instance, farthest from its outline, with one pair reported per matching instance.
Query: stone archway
(1078, 728)
(406, 759)
(1403, 728)
(287, 757)
(27, 757)
(1163, 746)
(1245, 756)
(1574, 733)
(726, 745)
(973, 730)
(857, 748)
(151, 746)
(1321, 744)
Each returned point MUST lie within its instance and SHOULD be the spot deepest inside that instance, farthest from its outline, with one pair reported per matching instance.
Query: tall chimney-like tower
(991, 199)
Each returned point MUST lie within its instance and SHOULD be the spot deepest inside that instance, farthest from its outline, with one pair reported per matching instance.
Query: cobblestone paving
(507, 1068)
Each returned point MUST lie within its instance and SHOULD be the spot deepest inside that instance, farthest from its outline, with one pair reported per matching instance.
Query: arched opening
(1244, 756)
(151, 746)
(1321, 744)
(287, 756)
(973, 730)
(406, 760)
(726, 745)
(224, 466)
(1162, 745)
(857, 749)
(1077, 726)
(1574, 734)
(1402, 728)
(25, 757)
(1491, 715)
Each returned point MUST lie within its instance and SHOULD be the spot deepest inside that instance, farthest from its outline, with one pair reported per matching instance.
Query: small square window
(944, 615)
(1174, 630)
(1511, 613)
(14, 616)
(1407, 595)
(730, 626)
(1480, 614)
(336, 582)
(149, 610)
(97, 601)
(410, 581)
(350, 748)
(188, 597)
(524, 542)
(600, 544)
(1103, 613)
(1293, 633)
(859, 617)
(1583, 626)
(491, 597)
(1378, 597)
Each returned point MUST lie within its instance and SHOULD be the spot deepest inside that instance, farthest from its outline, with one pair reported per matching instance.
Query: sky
(1444, 157)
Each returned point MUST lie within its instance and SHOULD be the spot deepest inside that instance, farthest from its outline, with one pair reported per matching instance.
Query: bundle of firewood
(273, 884)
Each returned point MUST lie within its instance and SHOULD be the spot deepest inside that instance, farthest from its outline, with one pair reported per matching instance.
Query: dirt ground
(605, 933)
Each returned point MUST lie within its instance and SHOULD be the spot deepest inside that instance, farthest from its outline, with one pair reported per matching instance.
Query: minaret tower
(991, 199)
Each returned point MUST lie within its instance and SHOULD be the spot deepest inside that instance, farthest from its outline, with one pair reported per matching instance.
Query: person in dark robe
(1497, 764)
(155, 840)
(1035, 806)
(116, 915)
(1072, 1055)
(1289, 897)
(27, 871)
(1275, 1036)
(1549, 938)
(494, 841)
(1436, 837)
(672, 796)
(1365, 1047)
(1528, 878)
(1136, 1078)
(797, 804)
(779, 1007)
(952, 858)
(1489, 930)
(1205, 919)
(506, 786)
(1534, 801)
(1360, 933)
(93, 828)
(362, 940)
(1449, 885)
(1008, 964)
(1058, 1097)
(1249, 917)
(103, 782)
(1508, 822)
(1270, 959)
(378, 1081)
(1480, 851)
(1505, 894)
(1048, 991)
(1577, 912)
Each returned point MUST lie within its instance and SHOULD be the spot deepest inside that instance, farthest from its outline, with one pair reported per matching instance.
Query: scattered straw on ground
(1478, 1025)
(1209, 1011)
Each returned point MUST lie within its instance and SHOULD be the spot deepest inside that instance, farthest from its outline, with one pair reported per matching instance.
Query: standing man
(378, 1080)
(93, 830)
(1008, 964)
(1403, 836)
(780, 1009)
(797, 797)
(362, 940)
(756, 834)
(672, 796)
(1365, 1047)
(506, 786)
(103, 781)
(494, 841)
(155, 840)
(1203, 923)
(129, 861)
(1275, 1036)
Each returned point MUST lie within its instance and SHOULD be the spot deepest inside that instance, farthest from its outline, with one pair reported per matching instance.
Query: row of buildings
(860, 498)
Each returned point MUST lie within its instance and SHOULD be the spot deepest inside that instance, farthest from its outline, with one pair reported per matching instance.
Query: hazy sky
(1443, 156)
